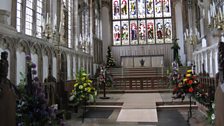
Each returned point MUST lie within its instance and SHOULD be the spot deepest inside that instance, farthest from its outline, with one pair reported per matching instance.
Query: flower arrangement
(186, 85)
(32, 108)
(83, 90)
(211, 114)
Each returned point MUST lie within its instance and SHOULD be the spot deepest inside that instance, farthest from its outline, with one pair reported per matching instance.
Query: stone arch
(47, 61)
(37, 58)
(23, 46)
(22, 49)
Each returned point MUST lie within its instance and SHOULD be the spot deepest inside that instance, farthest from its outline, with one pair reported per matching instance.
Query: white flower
(213, 105)
(71, 98)
(213, 116)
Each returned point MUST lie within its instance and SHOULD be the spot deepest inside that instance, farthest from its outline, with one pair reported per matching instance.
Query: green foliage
(83, 89)
(110, 60)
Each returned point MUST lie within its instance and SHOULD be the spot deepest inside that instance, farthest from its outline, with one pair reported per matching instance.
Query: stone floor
(110, 117)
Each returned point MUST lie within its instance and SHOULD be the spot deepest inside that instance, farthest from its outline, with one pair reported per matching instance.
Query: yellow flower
(89, 81)
(189, 71)
(76, 85)
(185, 80)
(83, 78)
(188, 75)
(80, 87)
(89, 90)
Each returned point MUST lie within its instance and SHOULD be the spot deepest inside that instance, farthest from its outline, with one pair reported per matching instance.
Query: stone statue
(175, 48)
(4, 65)
(7, 95)
(50, 77)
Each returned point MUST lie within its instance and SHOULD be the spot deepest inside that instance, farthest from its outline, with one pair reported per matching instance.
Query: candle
(209, 17)
(220, 13)
(60, 27)
(55, 20)
(47, 19)
(187, 31)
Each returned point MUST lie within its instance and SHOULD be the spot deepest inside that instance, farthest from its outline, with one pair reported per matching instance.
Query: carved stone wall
(18, 44)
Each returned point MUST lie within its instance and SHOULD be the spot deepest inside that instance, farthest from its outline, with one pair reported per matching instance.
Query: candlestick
(220, 13)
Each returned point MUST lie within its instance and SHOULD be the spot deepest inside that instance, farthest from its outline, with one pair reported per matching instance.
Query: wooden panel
(157, 61)
(146, 50)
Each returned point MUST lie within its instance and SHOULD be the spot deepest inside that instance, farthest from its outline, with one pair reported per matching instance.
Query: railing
(208, 86)
(140, 83)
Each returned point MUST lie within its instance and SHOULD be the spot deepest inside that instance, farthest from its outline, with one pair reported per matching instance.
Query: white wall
(6, 5)
(68, 67)
(54, 67)
(45, 67)
(20, 65)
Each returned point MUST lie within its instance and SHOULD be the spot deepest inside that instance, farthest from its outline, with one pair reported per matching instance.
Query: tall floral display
(110, 59)
(32, 108)
(83, 90)
(186, 85)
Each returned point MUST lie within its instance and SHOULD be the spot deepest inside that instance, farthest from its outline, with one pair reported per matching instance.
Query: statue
(142, 62)
(175, 48)
(4, 65)
(8, 95)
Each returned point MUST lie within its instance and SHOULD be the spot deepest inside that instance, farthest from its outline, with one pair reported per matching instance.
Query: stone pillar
(216, 61)
(211, 65)
(5, 11)
(179, 31)
(206, 61)
(76, 24)
(202, 62)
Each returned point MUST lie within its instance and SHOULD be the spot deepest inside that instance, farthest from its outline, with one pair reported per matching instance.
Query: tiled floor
(165, 117)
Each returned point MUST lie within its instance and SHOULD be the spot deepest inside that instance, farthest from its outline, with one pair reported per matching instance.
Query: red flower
(190, 89)
(190, 82)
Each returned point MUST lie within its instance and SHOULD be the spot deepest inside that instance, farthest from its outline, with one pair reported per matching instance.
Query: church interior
(111, 62)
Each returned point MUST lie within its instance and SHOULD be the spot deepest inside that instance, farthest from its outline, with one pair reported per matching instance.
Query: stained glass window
(149, 8)
(141, 8)
(133, 33)
(116, 33)
(132, 9)
(116, 9)
(159, 30)
(124, 9)
(137, 22)
(158, 8)
(166, 8)
(125, 32)
(168, 30)
(150, 32)
(142, 31)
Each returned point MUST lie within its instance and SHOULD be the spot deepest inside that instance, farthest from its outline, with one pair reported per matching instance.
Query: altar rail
(141, 83)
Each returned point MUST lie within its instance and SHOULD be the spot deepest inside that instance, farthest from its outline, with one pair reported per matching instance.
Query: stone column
(208, 61)
(202, 62)
(211, 64)
(76, 24)
(5, 11)
(216, 61)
